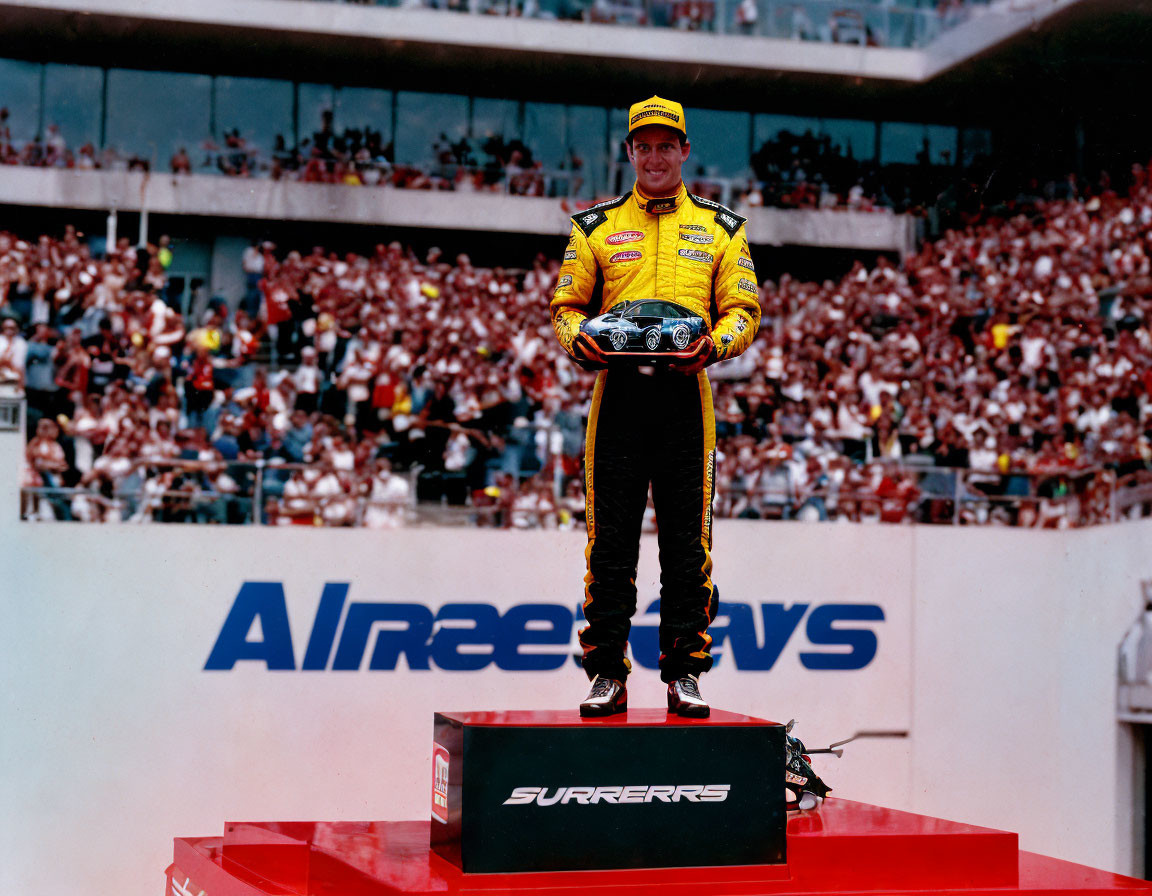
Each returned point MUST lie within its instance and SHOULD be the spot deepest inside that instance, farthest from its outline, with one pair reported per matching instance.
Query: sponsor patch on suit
(696, 255)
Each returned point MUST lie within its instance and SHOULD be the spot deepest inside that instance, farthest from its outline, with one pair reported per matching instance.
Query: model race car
(646, 330)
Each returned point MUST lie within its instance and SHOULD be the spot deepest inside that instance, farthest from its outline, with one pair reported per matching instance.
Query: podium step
(552, 791)
(843, 848)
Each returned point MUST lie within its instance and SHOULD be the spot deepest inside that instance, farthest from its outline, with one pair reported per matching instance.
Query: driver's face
(657, 155)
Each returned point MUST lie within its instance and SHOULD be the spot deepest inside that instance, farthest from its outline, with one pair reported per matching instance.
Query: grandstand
(331, 161)
(278, 267)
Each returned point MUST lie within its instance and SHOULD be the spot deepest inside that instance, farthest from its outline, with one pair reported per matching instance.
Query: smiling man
(653, 427)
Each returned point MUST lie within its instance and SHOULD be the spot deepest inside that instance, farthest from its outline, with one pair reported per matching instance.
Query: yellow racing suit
(653, 428)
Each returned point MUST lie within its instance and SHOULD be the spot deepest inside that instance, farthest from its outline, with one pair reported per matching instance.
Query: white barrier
(284, 200)
(995, 652)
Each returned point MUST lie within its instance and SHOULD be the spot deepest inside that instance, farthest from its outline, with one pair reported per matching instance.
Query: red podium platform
(715, 785)
(841, 848)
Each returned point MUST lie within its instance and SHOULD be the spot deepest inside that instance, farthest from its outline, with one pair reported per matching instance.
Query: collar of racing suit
(659, 205)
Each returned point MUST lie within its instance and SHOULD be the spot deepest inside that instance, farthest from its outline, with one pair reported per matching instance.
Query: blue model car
(646, 329)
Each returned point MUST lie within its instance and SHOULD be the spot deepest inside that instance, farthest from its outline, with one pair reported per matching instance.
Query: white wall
(876, 231)
(290, 201)
(996, 653)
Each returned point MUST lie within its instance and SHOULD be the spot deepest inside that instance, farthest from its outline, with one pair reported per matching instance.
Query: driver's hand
(587, 353)
(703, 353)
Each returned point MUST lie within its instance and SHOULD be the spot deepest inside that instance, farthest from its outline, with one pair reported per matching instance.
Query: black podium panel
(533, 791)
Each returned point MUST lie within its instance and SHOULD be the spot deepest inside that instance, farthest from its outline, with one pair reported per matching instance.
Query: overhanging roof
(1018, 50)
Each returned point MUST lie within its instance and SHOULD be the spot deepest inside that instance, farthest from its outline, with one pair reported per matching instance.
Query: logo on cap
(654, 113)
(656, 110)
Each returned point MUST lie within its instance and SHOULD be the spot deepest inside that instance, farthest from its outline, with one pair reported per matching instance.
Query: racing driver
(653, 426)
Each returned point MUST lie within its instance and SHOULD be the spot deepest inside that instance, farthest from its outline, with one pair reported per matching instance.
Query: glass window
(152, 114)
(421, 120)
(782, 143)
(974, 143)
(20, 95)
(73, 98)
(622, 176)
(495, 118)
(906, 143)
(544, 133)
(769, 128)
(358, 108)
(719, 143)
(852, 137)
(259, 108)
(587, 132)
(618, 132)
(315, 100)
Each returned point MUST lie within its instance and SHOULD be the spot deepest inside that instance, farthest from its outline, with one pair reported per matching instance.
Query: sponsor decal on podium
(439, 783)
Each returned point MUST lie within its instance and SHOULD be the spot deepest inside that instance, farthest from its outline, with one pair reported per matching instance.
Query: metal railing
(200, 496)
(858, 22)
(920, 493)
(499, 179)
(258, 493)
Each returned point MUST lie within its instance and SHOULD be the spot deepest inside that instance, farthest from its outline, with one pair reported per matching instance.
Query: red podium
(550, 791)
(841, 848)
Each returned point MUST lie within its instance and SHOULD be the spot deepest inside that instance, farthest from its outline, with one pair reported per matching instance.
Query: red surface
(570, 718)
(842, 848)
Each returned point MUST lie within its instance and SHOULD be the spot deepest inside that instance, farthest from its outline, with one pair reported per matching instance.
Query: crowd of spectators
(791, 170)
(1001, 375)
(359, 157)
(352, 157)
(808, 170)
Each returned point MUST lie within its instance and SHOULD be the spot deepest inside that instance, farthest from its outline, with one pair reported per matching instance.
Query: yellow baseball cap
(656, 110)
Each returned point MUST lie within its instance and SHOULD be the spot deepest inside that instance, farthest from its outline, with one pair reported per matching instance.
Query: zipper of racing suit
(659, 220)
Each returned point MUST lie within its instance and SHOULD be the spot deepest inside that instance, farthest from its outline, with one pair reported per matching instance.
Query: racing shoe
(684, 698)
(607, 697)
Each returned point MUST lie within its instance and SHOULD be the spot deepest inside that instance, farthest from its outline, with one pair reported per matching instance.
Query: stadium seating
(999, 376)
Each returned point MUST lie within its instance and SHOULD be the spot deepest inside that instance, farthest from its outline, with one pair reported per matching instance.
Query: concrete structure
(983, 660)
(265, 200)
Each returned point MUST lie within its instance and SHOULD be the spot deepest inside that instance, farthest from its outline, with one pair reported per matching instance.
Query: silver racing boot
(607, 697)
(684, 698)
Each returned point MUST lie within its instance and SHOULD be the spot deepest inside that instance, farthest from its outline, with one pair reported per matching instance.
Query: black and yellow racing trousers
(644, 429)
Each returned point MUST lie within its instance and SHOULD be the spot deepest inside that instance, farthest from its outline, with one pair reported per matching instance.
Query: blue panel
(73, 99)
(152, 114)
(719, 143)
(423, 118)
(905, 143)
(358, 108)
(20, 96)
(544, 132)
(315, 100)
(260, 108)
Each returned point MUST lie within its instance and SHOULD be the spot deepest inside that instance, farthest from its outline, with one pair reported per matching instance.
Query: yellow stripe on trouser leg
(709, 420)
(590, 500)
